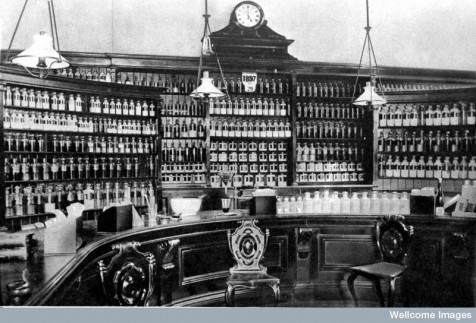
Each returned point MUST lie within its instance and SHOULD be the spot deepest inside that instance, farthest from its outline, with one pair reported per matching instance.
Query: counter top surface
(43, 269)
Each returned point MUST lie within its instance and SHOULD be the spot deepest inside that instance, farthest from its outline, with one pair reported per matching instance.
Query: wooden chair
(248, 244)
(129, 278)
(393, 239)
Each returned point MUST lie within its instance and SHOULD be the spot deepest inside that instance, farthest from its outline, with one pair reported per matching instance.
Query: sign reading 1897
(249, 80)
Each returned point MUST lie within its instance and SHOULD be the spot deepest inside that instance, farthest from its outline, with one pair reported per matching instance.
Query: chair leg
(378, 289)
(230, 296)
(350, 283)
(391, 292)
(277, 294)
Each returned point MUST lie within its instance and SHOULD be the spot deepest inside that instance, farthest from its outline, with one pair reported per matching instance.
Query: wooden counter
(309, 253)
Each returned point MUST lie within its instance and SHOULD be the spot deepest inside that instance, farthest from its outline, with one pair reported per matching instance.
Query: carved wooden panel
(426, 254)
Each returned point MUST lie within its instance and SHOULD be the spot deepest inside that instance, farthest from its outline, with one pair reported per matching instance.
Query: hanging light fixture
(369, 97)
(206, 89)
(44, 54)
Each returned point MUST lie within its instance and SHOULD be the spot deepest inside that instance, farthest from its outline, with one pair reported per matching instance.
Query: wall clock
(248, 15)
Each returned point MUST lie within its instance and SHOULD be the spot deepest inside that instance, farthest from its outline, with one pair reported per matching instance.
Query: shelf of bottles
(250, 132)
(333, 136)
(184, 133)
(62, 147)
(427, 141)
(341, 203)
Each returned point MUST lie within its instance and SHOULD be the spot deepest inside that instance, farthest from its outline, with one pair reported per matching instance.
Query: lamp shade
(41, 54)
(369, 97)
(206, 89)
(207, 46)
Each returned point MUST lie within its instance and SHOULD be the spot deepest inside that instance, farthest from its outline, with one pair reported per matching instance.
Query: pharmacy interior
(111, 154)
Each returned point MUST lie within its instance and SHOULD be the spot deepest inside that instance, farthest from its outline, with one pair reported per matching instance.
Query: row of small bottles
(331, 177)
(325, 89)
(179, 107)
(406, 116)
(184, 167)
(331, 111)
(182, 128)
(71, 168)
(319, 166)
(103, 74)
(29, 200)
(250, 107)
(456, 168)
(427, 142)
(22, 142)
(44, 121)
(29, 98)
(251, 156)
(341, 203)
(252, 167)
(329, 130)
(184, 178)
(248, 146)
(183, 151)
(329, 151)
(416, 87)
(243, 128)
(264, 85)
(252, 180)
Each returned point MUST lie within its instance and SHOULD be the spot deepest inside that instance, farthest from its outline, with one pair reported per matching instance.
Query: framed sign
(249, 80)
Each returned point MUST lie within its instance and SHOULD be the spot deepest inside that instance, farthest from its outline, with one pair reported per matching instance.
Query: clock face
(248, 14)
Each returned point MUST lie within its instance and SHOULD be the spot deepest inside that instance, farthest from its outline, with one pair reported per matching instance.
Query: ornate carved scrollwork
(167, 251)
(129, 278)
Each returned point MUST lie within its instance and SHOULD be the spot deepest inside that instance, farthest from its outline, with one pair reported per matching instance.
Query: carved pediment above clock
(248, 35)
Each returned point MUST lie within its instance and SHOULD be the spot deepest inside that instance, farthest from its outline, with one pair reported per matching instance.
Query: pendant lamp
(44, 54)
(369, 97)
(206, 89)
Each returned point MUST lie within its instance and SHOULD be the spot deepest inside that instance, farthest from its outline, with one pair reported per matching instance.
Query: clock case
(256, 42)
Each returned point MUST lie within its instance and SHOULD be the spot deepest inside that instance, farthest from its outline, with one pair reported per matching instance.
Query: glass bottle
(365, 204)
(384, 204)
(317, 203)
(326, 203)
(335, 203)
(439, 199)
(354, 204)
(438, 168)
(404, 204)
(307, 203)
(374, 204)
(345, 203)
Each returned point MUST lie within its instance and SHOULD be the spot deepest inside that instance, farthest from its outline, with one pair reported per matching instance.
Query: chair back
(247, 245)
(129, 278)
(393, 238)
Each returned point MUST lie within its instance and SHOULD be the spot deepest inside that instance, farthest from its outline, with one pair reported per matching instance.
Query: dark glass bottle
(439, 199)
